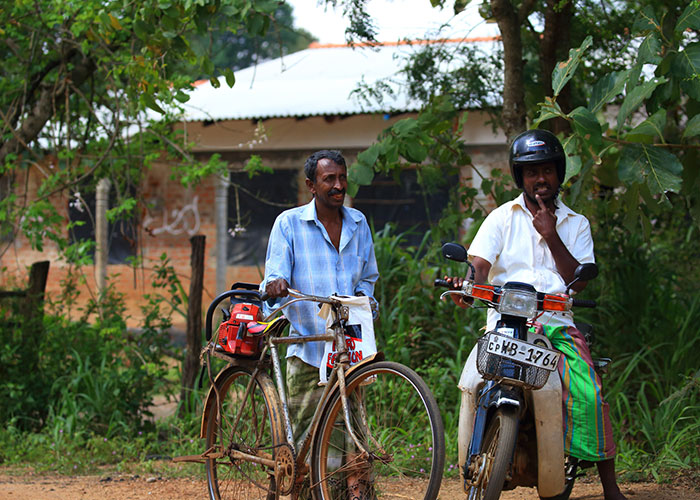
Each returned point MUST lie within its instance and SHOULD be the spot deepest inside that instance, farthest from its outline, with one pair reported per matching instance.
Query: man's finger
(540, 202)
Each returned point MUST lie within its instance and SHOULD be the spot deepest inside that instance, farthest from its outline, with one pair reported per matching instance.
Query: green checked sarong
(587, 426)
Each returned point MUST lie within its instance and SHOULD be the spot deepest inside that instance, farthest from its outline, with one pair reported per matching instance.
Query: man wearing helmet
(537, 239)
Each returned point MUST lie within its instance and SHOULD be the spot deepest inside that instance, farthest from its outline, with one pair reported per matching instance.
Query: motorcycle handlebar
(583, 303)
(442, 283)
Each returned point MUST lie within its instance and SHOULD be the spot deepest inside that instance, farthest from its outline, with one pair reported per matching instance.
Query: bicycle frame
(336, 381)
(337, 377)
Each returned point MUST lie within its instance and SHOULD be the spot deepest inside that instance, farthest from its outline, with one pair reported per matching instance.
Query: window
(254, 204)
(404, 203)
(121, 239)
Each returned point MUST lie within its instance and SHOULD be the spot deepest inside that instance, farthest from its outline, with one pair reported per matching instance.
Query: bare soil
(136, 487)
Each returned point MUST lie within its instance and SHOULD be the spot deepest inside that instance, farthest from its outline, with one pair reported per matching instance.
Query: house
(280, 110)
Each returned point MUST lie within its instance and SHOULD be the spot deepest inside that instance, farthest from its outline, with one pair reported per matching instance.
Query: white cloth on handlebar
(359, 333)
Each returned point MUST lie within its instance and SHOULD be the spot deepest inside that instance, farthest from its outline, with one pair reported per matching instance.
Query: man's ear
(310, 185)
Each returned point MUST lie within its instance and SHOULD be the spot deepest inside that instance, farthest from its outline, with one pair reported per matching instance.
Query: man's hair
(312, 162)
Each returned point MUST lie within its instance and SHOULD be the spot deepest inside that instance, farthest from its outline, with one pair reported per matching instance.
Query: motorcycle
(511, 406)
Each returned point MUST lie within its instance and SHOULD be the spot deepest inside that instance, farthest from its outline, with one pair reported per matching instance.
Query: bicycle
(360, 431)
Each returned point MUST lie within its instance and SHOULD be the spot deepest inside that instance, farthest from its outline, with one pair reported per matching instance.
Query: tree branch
(42, 111)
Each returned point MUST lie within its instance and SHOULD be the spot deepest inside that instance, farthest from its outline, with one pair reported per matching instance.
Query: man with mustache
(320, 248)
(536, 239)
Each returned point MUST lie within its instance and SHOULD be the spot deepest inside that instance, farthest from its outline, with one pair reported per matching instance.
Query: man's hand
(461, 300)
(277, 288)
(545, 221)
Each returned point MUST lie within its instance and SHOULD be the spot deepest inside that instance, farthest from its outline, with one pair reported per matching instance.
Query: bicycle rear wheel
(395, 417)
(251, 424)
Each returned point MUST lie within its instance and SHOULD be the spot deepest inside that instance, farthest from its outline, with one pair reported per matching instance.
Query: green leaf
(650, 50)
(687, 62)
(361, 174)
(414, 151)
(606, 89)
(548, 109)
(181, 96)
(459, 5)
(651, 127)
(573, 160)
(406, 126)
(545, 114)
(587, 126)
(255, 166)
(692, 128)
(690, 19)
(659, 169)
(646, 21)
(255, 25)
(150, 101)
(563, 71)
(370, 155)
(692, 88)
(215, 82)
(635, 98)
(230, 77)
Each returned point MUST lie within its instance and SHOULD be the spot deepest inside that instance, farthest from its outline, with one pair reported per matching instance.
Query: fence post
(34, 303)
(221, 234)
(193, 346)
(101, 235)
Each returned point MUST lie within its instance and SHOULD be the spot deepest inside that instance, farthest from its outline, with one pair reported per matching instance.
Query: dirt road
(136, 487)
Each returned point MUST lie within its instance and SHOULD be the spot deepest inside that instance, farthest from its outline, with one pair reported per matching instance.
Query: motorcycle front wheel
(492, 464)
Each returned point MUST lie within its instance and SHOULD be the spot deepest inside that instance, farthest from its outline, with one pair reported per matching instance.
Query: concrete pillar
(101, 234)
(221, 210)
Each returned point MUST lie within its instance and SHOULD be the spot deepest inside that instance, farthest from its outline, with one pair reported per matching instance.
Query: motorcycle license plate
(524, 352)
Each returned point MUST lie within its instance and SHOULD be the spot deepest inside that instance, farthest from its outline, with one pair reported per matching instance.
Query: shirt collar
(309, 213)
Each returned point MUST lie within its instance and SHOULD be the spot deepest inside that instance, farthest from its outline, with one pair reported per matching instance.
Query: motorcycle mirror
(454, 251)
(584, 272)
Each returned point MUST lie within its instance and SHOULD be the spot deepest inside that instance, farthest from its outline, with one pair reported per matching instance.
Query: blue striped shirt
(301, 252)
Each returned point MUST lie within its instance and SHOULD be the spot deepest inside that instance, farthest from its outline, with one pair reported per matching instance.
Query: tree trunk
(554, 47)
(190, 364)
(509, 23)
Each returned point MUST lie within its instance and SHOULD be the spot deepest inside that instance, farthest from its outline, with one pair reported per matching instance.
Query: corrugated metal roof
(317, 81)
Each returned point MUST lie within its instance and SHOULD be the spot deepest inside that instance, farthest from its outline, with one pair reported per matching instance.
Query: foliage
(237, 48)
(78, 377)
(649, 155)
(83, 89)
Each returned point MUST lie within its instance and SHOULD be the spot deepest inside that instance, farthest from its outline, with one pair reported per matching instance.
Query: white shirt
(517, 252)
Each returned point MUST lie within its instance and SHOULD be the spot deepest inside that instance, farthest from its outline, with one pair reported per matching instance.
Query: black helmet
(533, 147)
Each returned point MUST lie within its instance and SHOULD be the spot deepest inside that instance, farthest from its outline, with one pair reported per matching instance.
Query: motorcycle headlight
(515, 302)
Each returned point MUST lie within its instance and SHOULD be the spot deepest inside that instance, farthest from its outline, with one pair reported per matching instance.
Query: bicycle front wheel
(396, 419)
(250, 424)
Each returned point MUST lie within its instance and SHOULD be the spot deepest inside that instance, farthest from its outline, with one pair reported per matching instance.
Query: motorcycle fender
(547, 404)
(470, 384)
